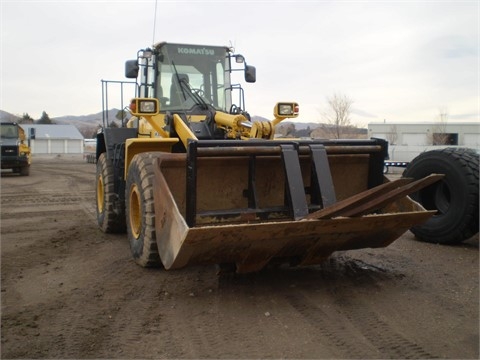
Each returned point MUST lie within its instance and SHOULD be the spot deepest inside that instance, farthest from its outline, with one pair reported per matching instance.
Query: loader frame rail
(321, 189)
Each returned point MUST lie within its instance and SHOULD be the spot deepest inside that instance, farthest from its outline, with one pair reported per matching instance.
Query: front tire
(455, 197)
(25, 171)
(109, 219)
(140, 210)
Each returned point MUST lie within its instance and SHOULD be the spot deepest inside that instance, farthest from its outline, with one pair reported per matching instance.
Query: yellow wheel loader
(193, 180)
(15, 148)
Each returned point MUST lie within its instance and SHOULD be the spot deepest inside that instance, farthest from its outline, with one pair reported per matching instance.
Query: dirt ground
(70, 291)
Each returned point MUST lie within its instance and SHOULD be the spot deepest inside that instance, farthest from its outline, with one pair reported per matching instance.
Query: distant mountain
(82, 120)
(5, 116)
(97, 119)
(94, 119)
(88, 124)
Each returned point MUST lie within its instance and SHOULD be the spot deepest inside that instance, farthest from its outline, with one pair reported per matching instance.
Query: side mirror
(131, 69)
(239, 59)
(250, 74)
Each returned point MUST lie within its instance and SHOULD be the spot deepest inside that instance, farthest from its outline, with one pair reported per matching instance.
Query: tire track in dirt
(139, 315)
(183, 314)
(220, 329)
(152, 319)
(63, 288)
(85, 309)
(96, 313)
(88, 200)
(83, 199)
(332, 329)
(41, 199)
(351, 324)
(79, 178)
(379, 333)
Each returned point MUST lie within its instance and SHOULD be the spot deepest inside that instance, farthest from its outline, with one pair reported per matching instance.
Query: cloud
(454, 47)
(396, 60)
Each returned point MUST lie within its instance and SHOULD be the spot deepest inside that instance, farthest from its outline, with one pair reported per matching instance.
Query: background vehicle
(16, 153)
(192, 180)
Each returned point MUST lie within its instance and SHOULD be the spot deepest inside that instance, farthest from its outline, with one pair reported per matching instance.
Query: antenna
(232, 45)
(154, 22)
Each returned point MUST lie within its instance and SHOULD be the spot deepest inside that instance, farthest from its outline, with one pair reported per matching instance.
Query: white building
(407, 140)
(54, 139)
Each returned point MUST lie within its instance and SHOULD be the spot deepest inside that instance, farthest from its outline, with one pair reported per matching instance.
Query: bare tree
(392, 135)
(439, 134)
(337, 115)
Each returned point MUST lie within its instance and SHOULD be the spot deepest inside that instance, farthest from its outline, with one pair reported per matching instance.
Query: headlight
(287, 109)
(147, 106)
(144, 106)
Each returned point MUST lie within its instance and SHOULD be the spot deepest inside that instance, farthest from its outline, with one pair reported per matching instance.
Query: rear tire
(109, 220)
(140, 210)
(455, 197)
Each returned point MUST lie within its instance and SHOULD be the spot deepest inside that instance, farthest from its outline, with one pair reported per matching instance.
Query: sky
(398, 61)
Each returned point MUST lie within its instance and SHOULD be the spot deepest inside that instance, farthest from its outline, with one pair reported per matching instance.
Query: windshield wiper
(184, 85)
(195, 96)
(179, 81)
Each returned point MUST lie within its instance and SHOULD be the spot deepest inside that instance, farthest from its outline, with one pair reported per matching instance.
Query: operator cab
(9, 131)
(189, 79)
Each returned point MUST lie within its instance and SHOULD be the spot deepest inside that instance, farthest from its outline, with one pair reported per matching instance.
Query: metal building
(54, 139)
(407, 140)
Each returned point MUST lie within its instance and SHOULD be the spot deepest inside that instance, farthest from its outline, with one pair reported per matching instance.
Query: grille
(9, 151)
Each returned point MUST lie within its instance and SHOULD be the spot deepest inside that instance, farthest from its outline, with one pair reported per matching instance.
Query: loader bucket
(252, 202)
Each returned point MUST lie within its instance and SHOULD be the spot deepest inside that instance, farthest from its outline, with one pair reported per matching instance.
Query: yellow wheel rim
(134, 211)
(100, 194)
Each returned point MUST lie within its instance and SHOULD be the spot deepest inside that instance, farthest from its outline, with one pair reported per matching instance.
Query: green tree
(26, 119)
(44, 119)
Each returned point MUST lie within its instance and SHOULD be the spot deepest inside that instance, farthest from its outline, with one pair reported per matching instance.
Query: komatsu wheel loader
(193, 180)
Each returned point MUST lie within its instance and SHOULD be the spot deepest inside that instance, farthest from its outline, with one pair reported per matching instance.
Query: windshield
(9, 131)
(189, 75)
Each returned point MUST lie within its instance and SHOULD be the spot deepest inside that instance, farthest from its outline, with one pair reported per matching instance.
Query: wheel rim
(100, 194)
(134, 211)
